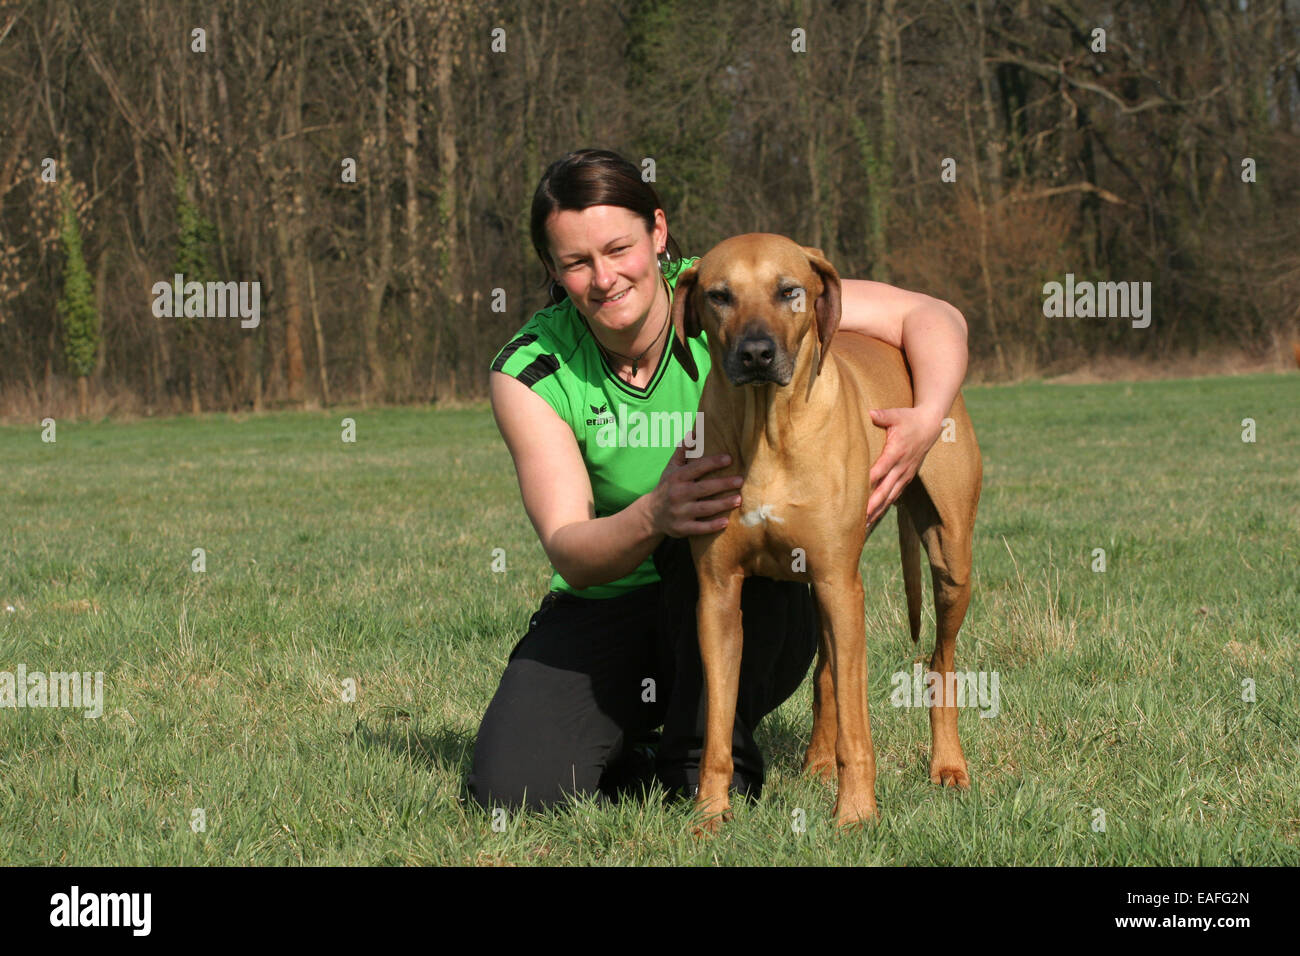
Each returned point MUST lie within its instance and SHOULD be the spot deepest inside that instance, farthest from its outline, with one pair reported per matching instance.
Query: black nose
(756, 352)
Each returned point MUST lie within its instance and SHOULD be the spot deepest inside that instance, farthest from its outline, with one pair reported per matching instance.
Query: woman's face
(607, 262)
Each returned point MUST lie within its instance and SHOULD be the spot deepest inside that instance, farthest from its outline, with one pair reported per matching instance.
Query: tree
(195, 237)
(77, 304)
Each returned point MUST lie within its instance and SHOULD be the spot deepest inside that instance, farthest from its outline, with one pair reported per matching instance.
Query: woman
(612, 652)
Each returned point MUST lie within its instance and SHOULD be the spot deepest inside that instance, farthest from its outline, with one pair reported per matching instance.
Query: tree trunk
(288, 236)
(296, 368)
(49, 370)
(882, 180)
(411, 166)
(320, 335)
(378, 274)
(101, 281)
(986, 273)
(270, 375)
(447, 251)
(993, 138)
(813, 220)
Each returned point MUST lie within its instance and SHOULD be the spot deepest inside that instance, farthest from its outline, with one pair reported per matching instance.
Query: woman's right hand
(683, 503)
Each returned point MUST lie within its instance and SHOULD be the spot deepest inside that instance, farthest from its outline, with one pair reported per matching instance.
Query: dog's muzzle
(757, 359)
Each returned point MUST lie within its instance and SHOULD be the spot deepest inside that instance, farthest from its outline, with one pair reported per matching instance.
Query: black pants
(593, 678)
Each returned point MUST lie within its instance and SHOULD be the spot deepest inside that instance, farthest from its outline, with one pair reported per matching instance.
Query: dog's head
(758, 296)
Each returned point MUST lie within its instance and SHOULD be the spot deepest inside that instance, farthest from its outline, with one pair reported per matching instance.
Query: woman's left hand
(909, 433)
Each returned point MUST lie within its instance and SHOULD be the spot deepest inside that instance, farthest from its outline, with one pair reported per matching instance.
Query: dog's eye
(789, 292)
(719, 296)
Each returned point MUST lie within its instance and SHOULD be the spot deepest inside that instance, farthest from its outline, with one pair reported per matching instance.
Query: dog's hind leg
(947, 541)
(951, 598)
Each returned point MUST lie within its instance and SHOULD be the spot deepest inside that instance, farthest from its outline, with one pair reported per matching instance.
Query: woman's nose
(604, 276)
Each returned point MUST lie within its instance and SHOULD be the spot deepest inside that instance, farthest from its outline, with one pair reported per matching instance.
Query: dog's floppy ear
(827, 306)
(686, 323)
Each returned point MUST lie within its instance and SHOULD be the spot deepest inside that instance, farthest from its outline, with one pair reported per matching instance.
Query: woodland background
(1123, 165)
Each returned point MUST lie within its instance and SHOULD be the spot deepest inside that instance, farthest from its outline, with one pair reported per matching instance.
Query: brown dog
(797, 428)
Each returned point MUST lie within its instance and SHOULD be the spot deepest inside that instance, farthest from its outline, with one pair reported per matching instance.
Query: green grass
(1120, 691)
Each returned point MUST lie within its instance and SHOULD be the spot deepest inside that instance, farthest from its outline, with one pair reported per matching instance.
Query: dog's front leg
(839, 600)
(720, 632)
(819, 759)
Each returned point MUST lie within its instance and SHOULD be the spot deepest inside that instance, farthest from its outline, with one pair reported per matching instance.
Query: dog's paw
(820, 766)
(855, 815)
(712, 825)
(950, 776)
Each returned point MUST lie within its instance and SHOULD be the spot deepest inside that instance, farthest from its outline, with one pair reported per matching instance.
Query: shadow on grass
(446, 749)
(783, 743)
(451, 751)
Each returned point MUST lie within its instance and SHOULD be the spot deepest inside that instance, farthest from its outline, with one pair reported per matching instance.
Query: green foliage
(195, 235)
(77, 304)
(877, 162)
(683, 113)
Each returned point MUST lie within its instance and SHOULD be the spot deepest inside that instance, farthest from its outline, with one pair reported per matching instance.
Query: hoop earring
(556, 292)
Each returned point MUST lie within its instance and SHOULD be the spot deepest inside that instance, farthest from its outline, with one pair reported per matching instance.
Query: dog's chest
(769, 526)
(768, 519)
(761, 515)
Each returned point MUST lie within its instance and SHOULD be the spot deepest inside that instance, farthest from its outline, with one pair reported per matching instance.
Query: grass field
(1120, 691)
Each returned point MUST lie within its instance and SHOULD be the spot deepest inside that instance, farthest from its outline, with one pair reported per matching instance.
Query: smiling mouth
(615, 299)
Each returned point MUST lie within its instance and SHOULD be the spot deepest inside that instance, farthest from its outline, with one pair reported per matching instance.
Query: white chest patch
(760, 514)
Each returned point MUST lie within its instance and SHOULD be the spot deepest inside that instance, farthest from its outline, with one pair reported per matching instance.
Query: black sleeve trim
(538, 369)
(514, 346)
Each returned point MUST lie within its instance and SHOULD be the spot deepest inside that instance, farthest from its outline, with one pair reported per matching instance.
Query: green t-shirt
(625, 435)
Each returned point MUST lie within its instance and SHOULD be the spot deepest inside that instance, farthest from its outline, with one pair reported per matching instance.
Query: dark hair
(590, 177)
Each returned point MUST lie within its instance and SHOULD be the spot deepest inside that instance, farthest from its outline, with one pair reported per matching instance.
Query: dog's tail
(909, 544)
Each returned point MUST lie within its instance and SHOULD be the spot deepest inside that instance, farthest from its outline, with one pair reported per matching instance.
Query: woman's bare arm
(932, 334)
(557, 496)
